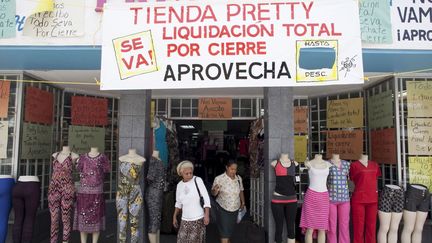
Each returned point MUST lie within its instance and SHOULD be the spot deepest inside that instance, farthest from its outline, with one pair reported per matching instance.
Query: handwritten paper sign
(380, 110)
(420, 171)
(300, 148)
(4, 98)
(7, 19)
(348, 144)
(38, 106)
(36, 141)
(3, 139)
(65, 21)
(89, 111)
(215, 108)
(419, 98)
(82, 138)
(383, 146)
(375, 22)
(301, 119)
(345, 113)
(419, 136)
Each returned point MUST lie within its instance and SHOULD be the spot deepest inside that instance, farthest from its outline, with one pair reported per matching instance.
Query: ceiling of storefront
(85, 81)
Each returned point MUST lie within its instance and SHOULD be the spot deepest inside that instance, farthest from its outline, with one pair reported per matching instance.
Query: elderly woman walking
(194, 217)
(228, 190)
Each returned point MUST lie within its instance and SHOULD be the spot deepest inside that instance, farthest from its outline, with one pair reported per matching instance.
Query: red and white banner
(191, 44)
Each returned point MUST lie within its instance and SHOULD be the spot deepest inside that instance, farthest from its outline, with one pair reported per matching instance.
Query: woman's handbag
(199, 193)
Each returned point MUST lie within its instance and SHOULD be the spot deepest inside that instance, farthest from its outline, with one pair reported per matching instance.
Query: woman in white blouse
(228, 189)
(194, 216)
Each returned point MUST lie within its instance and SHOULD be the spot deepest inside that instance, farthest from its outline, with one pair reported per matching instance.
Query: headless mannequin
(62, 155)
(389, 224)
(317, 163)
(132, 157)
(155, 237)
(335, 159)
(364, 159)
(95, 235)
(286, 162)
(413, 224)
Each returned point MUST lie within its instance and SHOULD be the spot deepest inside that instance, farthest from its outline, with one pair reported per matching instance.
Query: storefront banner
(419, 136)
(82, 138)
(345, 113)
(375, 22)
(7, 19)
(383, 146)
(38, 106)
(249, 43)
(36, 141)
(215, 108)
(380, 110)
(4, 128)
(411, 24)
(419, 98)
(300, 148)
(348, 144)
(301, 119)
(89, 111)
(4, 98)
(66, 20)
(420, 171)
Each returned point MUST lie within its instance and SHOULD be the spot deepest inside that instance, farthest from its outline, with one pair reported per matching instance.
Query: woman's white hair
(185, 164)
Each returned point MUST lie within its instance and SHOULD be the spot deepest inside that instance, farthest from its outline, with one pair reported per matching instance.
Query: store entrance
(211, 144)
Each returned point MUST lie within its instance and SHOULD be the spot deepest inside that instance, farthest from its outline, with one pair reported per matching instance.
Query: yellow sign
(300, 148)
(135, 54)
(420, 171)
(345, 113)
(419, 98)
(419, 136)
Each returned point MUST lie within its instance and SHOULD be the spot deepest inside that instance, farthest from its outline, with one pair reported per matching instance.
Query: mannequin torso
(364, 160)
(155, 154)
(132, 157)
(94, 152)
(317, 163)
(284, 160)
(64, 154)
(335, 159)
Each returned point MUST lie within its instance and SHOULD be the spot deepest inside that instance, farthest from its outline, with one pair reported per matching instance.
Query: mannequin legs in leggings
(288, 212)
(6, 203)
(26, 197)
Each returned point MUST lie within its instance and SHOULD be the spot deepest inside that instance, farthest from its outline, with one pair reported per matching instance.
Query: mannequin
(26, 197)
(415, 212)
(129, 198)
(284, 199)
(90, 204)
(6, 184)
(390, 213)
(155, 185)
(364, 202)
(315, 210)
(339, 201)
(62, 155)
(61, 193)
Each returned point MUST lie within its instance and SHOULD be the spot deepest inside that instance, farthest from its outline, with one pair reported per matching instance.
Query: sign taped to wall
(420, 171)
(230, 44)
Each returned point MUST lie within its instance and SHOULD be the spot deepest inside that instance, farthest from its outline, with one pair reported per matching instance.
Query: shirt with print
(229, 192)
(337, 182)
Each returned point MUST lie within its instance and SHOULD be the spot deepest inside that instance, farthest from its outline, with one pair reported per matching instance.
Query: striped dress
(316, 205)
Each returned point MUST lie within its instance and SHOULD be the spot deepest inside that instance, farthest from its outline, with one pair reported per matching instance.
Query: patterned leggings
(191, 232)
(61, 198)
(129, 200)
